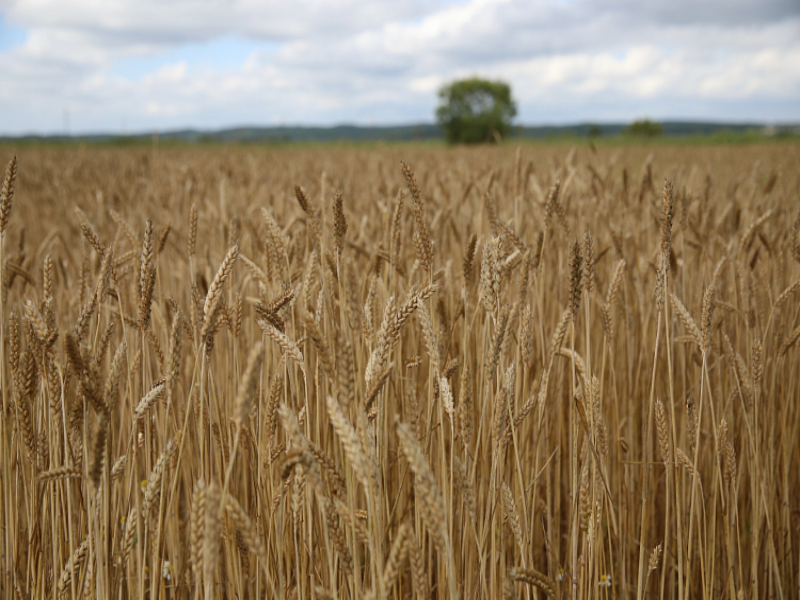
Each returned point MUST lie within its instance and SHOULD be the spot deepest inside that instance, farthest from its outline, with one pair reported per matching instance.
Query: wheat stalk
(536, 579)
(352, 445)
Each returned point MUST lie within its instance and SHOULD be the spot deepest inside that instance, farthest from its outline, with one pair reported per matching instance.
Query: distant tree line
(644, 128)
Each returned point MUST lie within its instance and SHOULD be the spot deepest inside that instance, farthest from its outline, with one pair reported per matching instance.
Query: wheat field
(401, 372)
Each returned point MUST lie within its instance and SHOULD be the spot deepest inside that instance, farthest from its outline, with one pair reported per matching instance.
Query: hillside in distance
(401, 133)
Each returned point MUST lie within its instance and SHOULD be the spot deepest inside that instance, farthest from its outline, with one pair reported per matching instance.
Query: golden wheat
(144, 376)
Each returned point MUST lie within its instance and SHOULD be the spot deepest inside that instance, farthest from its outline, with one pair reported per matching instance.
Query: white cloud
(317, 61)
(425, 85)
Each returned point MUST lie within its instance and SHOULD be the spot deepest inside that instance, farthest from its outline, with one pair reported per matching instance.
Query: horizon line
(404, 125)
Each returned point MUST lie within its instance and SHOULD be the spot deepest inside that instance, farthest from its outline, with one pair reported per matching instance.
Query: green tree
(475, 110)
(645, 128)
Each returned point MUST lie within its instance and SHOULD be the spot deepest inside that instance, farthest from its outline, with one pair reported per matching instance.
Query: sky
(129, 66)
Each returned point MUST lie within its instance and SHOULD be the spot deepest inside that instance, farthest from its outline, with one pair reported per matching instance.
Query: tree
(475, 110)
(645, 128)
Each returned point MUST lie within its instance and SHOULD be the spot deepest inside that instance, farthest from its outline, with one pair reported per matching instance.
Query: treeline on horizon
(424, 132)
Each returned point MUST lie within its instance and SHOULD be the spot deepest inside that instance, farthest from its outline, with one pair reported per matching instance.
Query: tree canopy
(475, 110)
(644, 128)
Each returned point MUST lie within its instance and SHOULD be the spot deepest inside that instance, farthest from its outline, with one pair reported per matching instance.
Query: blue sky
(125, 66)
(10, 36)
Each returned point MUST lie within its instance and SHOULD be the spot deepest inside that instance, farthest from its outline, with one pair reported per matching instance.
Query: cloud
(125, 25)
(159, 64)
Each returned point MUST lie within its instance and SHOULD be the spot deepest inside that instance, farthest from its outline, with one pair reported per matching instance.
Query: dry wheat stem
(204, 495)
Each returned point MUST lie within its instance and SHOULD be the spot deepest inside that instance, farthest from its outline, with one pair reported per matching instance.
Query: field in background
(496, 372)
